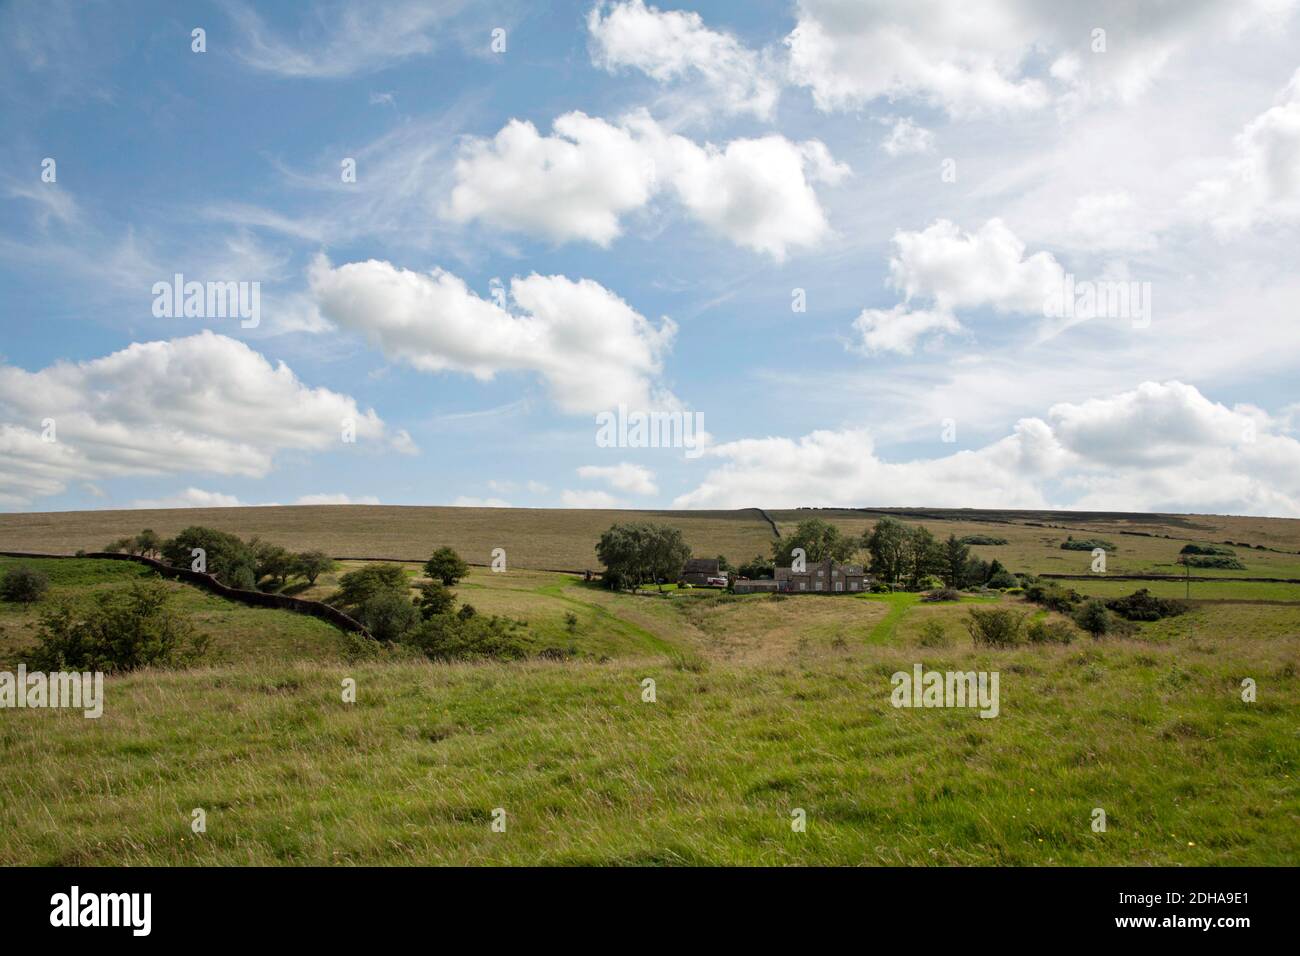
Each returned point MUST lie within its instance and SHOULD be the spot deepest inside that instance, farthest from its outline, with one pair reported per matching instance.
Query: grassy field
(763, 706)
(587, 773)
(532, 538)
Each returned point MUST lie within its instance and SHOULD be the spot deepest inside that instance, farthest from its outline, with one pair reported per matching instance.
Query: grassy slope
(1155, 735)
(237, 633)
(771, 705)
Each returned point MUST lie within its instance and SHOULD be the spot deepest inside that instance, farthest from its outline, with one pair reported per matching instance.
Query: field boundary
(207, 582)
(1159, 577)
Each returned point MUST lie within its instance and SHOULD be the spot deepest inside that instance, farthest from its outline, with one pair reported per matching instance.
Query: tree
(147, 543)
(23, 585)
(228, 558)
(636, 553)
(669, 552)
(272, 561)
(922, 556)
(955, 556)
(819, 539)
(119, 546)
(356, 587)
(312, 564)
(887, 545)
(446, 566)
(757, 567)
(435, 598)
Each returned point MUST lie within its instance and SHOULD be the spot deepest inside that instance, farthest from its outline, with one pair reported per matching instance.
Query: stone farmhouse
(822, 577)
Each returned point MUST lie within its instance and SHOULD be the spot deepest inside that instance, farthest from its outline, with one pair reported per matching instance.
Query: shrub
(942, 594)
(933, 634)
(1003, 579)
(1206, 549)
(571, 622)
(435, 598)
(1094, 618)
(450, 637)
(1053, 597)
(120, 630)
(1086, 544)
(995, 626)
(1142, 605)
(445, 565)
(118, 546)
(982, 539)
(387, 615)
(1050, 632)
(1222, 562)
(23, 585)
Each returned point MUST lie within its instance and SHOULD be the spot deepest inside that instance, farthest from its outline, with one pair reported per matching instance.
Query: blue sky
(652, 188)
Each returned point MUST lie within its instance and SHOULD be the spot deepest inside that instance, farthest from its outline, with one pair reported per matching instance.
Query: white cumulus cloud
(578, 183)
(675, 45)
(591, 348)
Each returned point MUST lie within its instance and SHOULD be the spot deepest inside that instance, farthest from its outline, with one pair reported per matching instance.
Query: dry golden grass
(532, 537)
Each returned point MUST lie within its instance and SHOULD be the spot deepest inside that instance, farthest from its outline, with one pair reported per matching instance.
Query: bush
(450, 637)
(1206, 549)
(1053, 597)
(571, 622)
(1094, 618)
(995, 626)
(1142, 605)
(446, 566)
(942, 594)
(1222, 562)
(119, 631)
(387, 615)
(23, 585)
(1003, 579)
(1050, 632)
(933, 634)
(435, 598)
(1086, 544)
(982, 539)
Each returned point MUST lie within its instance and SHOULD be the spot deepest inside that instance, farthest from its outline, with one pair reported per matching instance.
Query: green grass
(1199, 590)
(763, 706)
(587, 773)
(236, 632)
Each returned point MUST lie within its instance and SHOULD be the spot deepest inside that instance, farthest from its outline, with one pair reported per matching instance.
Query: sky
(1019, 254)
